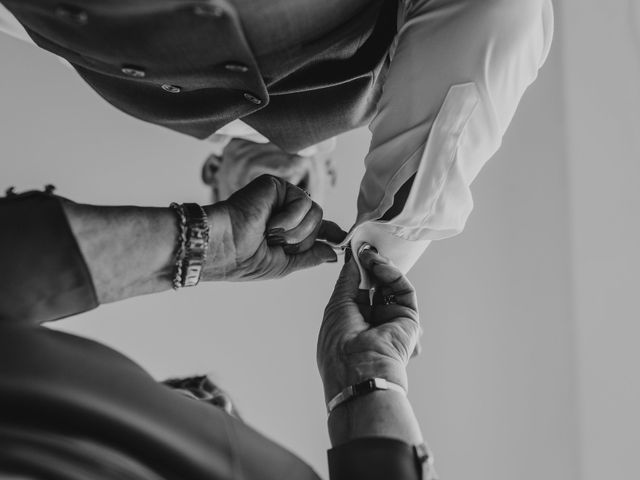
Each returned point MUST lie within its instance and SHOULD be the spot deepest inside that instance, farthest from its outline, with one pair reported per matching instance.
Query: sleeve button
(252, 98)
(171, 88)
(72, 14)
(236, 67)
(133, 71)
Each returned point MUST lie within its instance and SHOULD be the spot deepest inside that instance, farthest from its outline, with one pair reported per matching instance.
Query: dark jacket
(298, 71)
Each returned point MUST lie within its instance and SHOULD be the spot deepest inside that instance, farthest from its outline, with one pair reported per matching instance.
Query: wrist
(382, 413)
(338, 378)
(221, 253)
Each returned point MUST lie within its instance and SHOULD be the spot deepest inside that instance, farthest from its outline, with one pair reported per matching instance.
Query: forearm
(62, 258)
(130, 251)
(377, 437)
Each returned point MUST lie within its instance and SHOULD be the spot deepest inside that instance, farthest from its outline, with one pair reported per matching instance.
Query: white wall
(499, 396)
(602, 98)
(527, 297)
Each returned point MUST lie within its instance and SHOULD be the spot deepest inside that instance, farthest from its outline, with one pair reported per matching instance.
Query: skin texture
(270, 230)
(360, 340)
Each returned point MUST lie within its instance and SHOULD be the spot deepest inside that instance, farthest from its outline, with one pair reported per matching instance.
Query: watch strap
(363, 388)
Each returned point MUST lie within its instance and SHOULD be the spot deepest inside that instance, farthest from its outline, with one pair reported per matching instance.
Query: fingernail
(274, 231)
(275, 240)
(291, 249)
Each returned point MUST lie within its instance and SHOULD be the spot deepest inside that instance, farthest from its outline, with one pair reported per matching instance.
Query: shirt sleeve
(458, 71)
(44, 275)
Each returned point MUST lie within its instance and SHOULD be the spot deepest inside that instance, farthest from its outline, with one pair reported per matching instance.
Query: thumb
(347, 284)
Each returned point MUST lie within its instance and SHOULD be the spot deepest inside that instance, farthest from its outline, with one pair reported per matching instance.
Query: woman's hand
(266, 230)
(359, 340)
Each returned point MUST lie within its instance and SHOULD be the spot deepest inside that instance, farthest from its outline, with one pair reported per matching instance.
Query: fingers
(325, 230)
(394, 298)
(302, 237)
(297, 222)
(331, 231)
(289, 213)
(347, 284)
(391, 286)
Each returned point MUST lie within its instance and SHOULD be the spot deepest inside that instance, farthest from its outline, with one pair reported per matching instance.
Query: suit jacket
(298, 71)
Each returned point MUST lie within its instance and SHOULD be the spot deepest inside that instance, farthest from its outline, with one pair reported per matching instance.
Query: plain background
(530, 365)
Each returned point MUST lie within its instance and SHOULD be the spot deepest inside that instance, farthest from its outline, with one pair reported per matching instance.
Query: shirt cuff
(44, 275)
(374, 459)
(402, 252)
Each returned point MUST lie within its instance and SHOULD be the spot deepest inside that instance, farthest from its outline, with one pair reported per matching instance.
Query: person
(235, 162)
(437, 82)
(79, 256)
(72, 408)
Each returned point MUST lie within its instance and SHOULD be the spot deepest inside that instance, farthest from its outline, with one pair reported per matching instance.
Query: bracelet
(182, 242)
(193, 244)
(363, 388)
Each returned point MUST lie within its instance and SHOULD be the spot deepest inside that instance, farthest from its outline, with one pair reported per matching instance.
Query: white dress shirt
(458, 71)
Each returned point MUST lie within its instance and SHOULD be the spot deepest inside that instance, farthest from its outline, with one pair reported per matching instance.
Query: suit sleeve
(44, 276)
(376, 459)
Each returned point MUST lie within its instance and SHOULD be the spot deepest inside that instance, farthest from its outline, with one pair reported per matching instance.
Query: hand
(358, 340)
(266, 230)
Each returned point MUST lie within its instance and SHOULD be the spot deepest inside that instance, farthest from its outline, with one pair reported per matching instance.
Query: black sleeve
(375, 459)
(43, 275)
